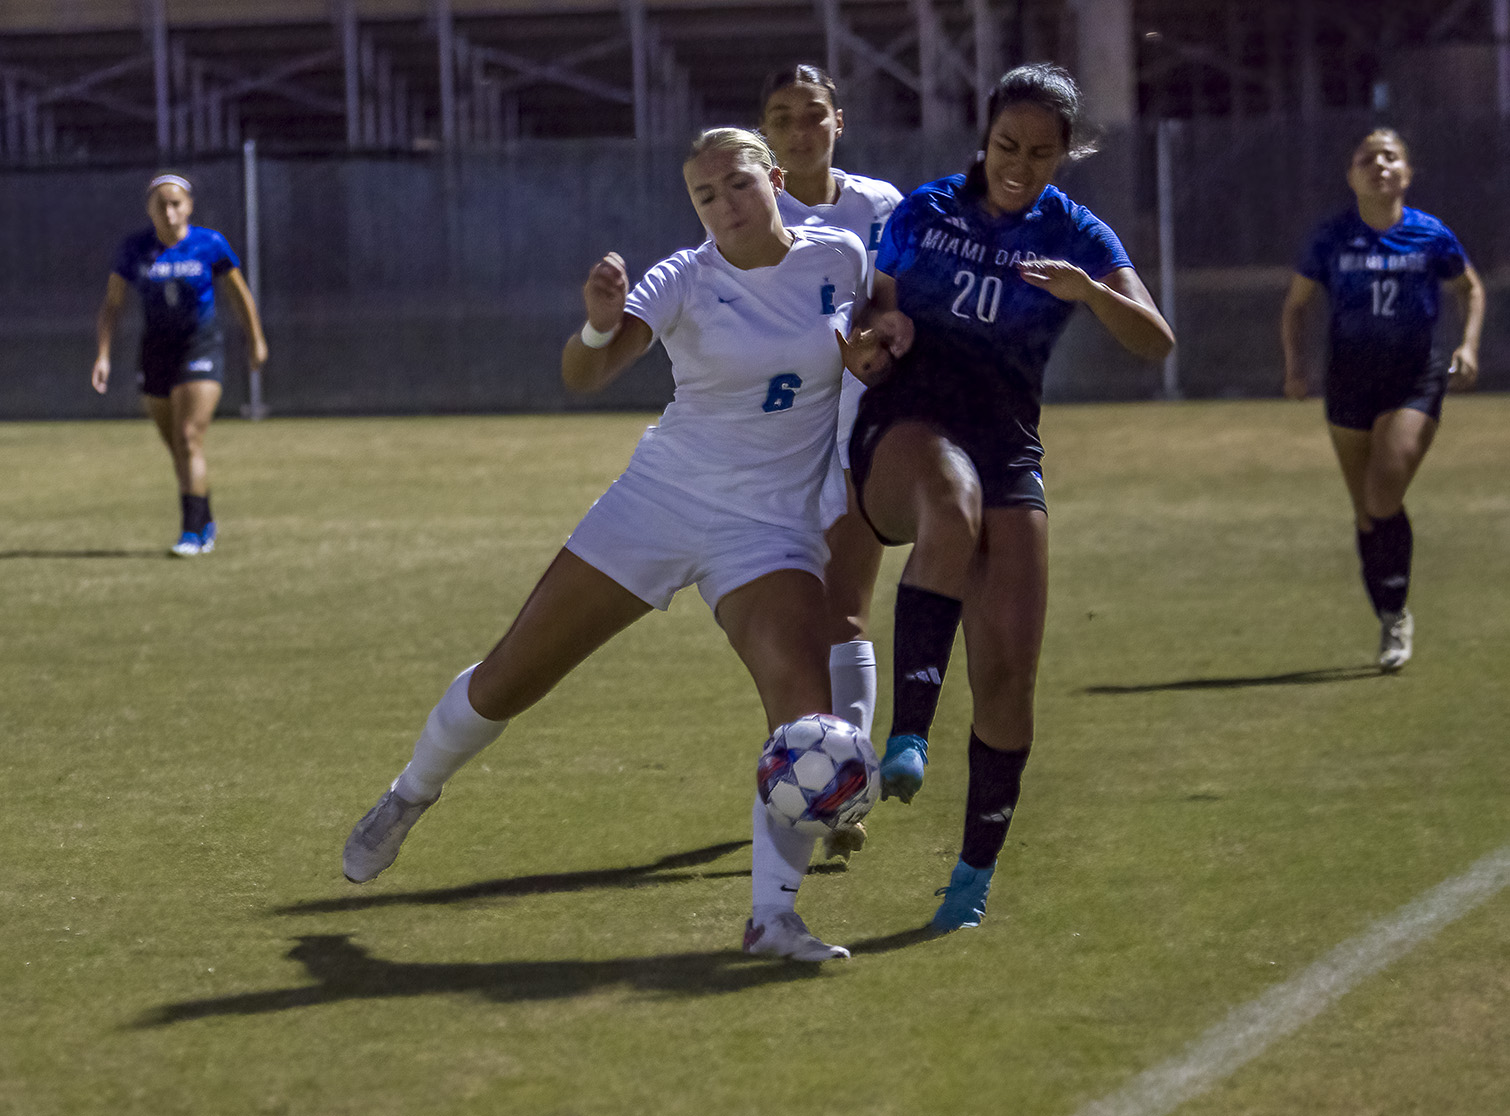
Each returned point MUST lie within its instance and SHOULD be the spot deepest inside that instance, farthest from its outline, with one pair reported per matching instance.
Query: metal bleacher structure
(93, 80)
(417, 186)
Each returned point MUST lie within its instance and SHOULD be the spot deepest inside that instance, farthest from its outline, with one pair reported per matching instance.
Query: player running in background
(1381, 265)
(986, 267)
(801, 119)
(731, 492)
(174, 267)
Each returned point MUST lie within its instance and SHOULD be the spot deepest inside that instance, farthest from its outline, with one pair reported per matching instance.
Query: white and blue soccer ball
(818, 773)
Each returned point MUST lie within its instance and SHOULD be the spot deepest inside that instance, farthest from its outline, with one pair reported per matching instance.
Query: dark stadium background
(418, 186)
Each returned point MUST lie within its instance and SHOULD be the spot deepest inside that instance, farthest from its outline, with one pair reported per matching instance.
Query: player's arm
(587, 368)
(880, 334)
(1120, 302)
(1468, 291)
(104, 330)
(1292, 321)
(246, 312)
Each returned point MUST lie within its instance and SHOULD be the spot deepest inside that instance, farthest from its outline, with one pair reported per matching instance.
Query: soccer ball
(818, 773)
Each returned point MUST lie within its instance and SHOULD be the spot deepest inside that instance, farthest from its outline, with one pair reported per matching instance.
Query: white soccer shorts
(655, 539)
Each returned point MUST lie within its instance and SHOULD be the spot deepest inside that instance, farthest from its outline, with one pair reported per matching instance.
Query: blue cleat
(187, 545)
(964, 902)
(207, 538)
(902, 767)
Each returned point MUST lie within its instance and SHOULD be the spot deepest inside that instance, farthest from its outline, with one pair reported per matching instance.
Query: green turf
(1222, 791)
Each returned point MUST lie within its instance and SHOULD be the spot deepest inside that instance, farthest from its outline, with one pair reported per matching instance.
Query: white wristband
(596, 338)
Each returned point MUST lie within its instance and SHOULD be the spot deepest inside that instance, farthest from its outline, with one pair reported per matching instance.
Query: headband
(170, 180)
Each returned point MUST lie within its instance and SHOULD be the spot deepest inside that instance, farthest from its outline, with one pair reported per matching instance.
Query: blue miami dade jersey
(177, 284)
(751, 427)
(1384, 288)
(984, 333)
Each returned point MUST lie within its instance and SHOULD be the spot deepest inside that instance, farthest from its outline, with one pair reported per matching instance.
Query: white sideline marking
(1249, 1030)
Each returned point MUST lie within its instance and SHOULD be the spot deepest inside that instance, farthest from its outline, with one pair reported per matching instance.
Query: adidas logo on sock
(1000, 817)
(930, 674)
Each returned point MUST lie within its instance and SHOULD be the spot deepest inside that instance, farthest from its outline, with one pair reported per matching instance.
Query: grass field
(1223, 790)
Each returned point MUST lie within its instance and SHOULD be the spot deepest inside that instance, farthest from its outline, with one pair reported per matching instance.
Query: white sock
(781, 856)
(852, 675)
(454, 733)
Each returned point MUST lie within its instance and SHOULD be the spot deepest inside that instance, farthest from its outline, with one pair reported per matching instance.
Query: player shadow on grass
(343, 970)
(1290, 678)
(85, 553)
(674, 868)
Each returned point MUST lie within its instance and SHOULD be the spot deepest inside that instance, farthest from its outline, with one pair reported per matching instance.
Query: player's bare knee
(949, 512)
(498, 694)
(188, 441)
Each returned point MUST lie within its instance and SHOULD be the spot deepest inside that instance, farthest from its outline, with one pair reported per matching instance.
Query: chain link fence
(446, 284)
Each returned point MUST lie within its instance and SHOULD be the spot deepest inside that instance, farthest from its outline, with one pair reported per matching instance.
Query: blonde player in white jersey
(730, 492)
(801, 119)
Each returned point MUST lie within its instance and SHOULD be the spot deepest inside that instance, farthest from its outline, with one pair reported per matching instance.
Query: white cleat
(374, 843)
(1395, 635)
(786, 935)
(843, 842)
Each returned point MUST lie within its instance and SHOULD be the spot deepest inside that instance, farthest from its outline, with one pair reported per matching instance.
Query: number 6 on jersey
(782, 392)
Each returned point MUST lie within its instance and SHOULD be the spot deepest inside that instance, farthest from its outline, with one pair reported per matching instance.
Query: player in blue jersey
(731, 491)
(1382, 266)
(977, 275)
(801, 119)
(175, 267)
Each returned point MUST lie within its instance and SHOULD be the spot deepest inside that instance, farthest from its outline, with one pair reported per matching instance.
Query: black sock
(995, 783)
(1385, 553)
(196, 512)
(925, 625)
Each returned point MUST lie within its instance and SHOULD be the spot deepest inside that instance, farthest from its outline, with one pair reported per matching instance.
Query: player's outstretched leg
(454, 733)
(779, 861)
(995, 786)
(925, 627)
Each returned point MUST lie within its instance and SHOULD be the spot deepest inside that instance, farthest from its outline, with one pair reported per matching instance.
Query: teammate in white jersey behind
(731, 492)
(801, 119)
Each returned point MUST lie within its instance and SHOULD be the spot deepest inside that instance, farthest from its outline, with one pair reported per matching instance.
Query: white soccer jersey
(752, 425)
(862, 208)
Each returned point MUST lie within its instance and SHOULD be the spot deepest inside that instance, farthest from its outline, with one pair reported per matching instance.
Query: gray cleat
(374, 843)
